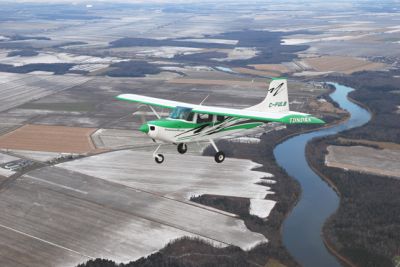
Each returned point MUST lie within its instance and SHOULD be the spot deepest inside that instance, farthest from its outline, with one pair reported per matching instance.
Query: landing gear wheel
(159, 158)
(182, 148)
(219, 157)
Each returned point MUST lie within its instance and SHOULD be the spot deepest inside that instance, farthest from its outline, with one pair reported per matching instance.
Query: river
(302, 228)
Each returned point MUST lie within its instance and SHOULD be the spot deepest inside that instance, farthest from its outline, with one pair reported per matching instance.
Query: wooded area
(366, 227)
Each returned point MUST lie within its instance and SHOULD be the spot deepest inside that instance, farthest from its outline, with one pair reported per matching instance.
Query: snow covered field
(165, 51)
(38, 155)
(261, 207)
(111, 206)
(87, 63)
(212, 41)
(4, 158)
(238, 53)
(180, 177)
(51, 57)
(322, 38)
(17, 89)
(64, 219)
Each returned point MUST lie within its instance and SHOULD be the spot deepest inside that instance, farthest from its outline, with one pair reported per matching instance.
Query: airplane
(189, 123)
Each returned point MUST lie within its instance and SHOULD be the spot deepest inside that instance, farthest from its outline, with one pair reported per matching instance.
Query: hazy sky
(188, 1)
(94, 1)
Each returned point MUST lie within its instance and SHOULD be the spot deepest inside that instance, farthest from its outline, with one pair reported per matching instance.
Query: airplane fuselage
(181, 131)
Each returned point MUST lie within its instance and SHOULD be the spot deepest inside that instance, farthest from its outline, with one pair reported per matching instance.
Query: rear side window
(220, 118)
(204, 118)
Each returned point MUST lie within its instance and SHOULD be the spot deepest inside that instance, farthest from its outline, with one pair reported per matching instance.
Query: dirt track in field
(49, 138)
(215, 82)
(276, 68)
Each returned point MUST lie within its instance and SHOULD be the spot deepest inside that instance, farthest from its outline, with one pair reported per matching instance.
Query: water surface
(302, 229)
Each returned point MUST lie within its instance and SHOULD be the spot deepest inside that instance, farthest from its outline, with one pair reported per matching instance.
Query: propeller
(143, 113)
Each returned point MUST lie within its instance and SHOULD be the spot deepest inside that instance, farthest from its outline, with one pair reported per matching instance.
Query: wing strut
(155, 112)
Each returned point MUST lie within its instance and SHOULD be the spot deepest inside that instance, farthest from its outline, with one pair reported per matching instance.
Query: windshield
(182, 113)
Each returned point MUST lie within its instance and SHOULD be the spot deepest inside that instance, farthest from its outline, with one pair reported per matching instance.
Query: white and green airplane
(188, 123)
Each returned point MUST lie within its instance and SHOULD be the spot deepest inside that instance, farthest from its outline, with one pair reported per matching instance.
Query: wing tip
(122, 97)
(320, 121)
(279, 78)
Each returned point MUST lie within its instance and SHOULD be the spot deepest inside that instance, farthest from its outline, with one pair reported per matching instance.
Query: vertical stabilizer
(277, 97)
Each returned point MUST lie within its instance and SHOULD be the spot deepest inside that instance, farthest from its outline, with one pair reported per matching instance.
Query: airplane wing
(152, 101)
(289, 117)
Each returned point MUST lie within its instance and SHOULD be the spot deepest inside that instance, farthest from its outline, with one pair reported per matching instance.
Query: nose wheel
(159, 158)
(182, 148)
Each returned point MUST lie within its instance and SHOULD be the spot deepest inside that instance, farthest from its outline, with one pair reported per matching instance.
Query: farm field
(99, 212)
(365, 159)
(49, 138)
(17, 89)
(341, 64)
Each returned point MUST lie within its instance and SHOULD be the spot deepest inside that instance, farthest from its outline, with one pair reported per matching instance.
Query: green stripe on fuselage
(243, 126)
(178, 124)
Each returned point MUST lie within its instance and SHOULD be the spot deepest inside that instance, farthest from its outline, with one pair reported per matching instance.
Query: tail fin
(277, 97)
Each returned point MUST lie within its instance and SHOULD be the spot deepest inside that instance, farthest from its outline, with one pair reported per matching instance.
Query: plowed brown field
(215, 82)
(49, 138)
(346, 65)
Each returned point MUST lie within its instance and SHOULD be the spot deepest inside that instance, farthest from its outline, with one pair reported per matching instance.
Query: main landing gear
(182, 148)
(219, 156)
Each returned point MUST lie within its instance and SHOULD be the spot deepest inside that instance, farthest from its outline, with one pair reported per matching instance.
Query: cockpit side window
(182, 113)
(190, 117)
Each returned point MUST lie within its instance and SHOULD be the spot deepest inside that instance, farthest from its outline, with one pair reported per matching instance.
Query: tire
(219, 157)
(159, 158)
(182, 148)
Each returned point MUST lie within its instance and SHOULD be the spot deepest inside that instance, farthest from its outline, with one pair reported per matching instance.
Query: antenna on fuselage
(201, 103)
